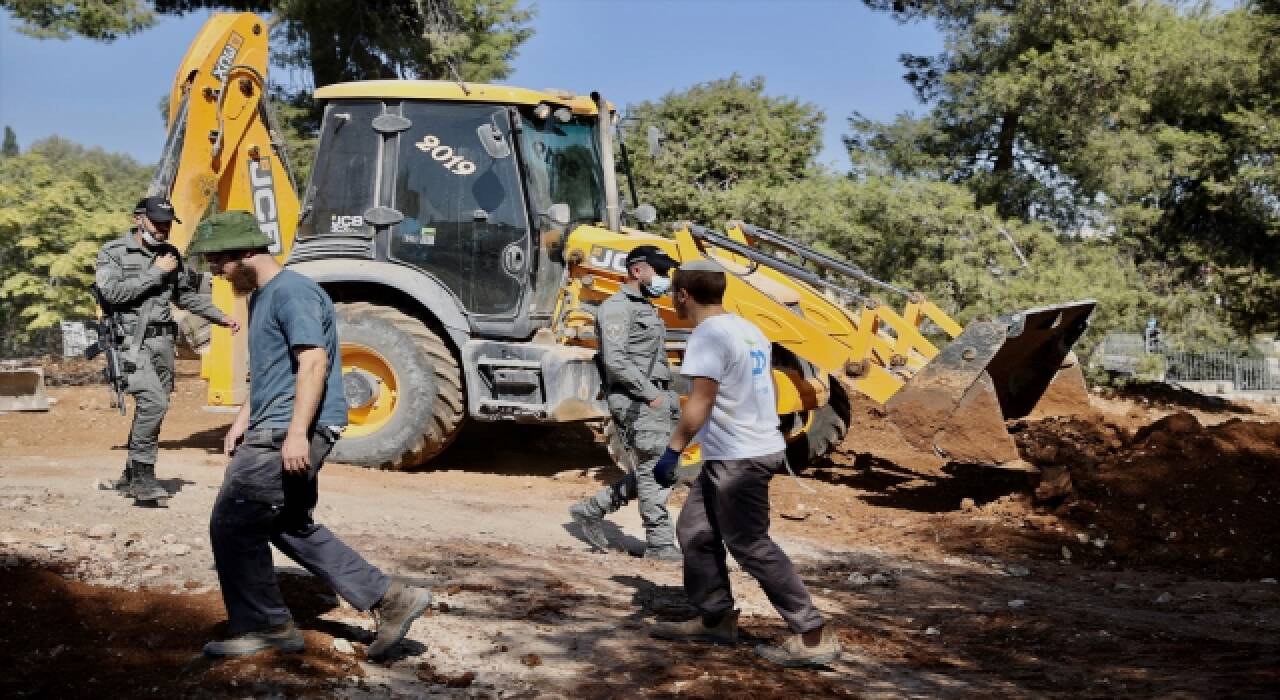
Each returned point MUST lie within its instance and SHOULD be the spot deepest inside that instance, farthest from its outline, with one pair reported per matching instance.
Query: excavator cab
(467, 193)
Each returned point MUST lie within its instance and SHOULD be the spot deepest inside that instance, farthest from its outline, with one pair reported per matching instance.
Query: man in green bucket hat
(277, 444)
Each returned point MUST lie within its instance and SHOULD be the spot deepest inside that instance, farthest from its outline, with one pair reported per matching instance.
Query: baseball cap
(157, 208)
(652, 254)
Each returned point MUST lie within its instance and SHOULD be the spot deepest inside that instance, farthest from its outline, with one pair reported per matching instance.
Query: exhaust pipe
(612, 212)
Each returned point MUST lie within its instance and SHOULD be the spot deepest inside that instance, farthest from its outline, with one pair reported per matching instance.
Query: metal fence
(1122, 352)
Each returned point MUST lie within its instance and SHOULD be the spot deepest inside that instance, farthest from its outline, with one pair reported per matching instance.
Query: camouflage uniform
(131, 284)
(632, 341)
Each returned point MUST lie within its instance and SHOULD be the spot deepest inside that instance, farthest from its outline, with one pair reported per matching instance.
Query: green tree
(716, 137)
(10, 147)
(333, 40)
(59, 202)
(1137, 118)
(94, 19)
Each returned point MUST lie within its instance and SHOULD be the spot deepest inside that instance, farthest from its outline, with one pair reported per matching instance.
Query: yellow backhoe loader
(468, 232)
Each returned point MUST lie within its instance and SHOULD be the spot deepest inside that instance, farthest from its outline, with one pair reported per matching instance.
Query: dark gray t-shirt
(289, 312)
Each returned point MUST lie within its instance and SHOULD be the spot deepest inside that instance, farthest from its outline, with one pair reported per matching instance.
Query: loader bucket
(992, 372)
(22, 389)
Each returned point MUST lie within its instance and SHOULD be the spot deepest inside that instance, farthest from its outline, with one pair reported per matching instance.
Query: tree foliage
(333, 40)
(59, 202)
(1147, 120)
(718, 136)
(10, 146)
(94, 19)
(732, 152)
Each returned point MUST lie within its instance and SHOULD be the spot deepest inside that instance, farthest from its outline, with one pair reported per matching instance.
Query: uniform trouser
(150, 384)
(728, 506)
(260, 505)
(646, 432)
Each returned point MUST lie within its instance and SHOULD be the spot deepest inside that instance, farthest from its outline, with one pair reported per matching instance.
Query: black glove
(664, 471)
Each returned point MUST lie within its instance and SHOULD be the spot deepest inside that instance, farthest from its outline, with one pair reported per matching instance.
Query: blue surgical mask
(658, 286)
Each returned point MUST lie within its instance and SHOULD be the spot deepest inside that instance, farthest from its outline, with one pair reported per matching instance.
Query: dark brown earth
(941, 580)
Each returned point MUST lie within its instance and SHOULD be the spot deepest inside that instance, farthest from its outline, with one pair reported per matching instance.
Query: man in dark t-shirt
(277, 444)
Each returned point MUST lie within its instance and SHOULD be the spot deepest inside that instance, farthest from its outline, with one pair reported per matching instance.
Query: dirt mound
(1174, 494)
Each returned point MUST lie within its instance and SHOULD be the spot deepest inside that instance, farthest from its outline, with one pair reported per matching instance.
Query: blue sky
(835, 54)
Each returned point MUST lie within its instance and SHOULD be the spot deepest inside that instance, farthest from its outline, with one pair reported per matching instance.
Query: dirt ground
(1139, 561)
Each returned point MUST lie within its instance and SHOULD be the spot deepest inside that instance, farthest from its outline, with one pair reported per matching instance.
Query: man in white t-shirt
(731, 409)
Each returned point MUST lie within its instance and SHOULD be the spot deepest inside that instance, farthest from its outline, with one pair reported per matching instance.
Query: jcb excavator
(468, 232)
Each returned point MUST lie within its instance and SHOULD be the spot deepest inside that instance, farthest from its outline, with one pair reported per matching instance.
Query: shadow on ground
(513, 449)
(91, 641)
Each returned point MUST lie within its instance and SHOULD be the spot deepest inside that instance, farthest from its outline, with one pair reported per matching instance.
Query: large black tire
(430, 409)
(830, 423)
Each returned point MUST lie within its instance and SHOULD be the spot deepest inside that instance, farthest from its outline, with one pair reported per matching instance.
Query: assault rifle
(110, 332)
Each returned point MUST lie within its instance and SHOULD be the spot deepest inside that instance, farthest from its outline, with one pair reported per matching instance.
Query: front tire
(406, 384)
(826, 430)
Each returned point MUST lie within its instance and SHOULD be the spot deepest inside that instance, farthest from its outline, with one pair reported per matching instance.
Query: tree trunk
(1004, 143)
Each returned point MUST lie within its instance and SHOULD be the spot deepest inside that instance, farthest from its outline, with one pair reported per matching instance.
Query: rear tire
(428, 408)
(825, 433)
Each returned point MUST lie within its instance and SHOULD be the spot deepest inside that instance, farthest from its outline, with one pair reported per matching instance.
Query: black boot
(144, 486)
(121, 485)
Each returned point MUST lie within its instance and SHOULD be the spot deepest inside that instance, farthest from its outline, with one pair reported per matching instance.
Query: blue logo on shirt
(758, 362)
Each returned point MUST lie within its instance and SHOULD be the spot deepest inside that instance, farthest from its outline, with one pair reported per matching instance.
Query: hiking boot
(592, 525)
(793, 652)
(667, 553)
(284, 637)
(144, 487)
(395, 613)
(121, 485)
(726, 632)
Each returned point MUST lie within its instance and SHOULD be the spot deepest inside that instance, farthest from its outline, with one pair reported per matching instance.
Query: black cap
(157, 208)
(652, 254)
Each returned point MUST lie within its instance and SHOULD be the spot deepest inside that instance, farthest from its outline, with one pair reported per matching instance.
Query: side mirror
(494, 143)
(654, 136)
(645, 214)
(558, 214)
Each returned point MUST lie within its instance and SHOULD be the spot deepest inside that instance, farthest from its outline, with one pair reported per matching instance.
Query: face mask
(658, 286)
(148, 238)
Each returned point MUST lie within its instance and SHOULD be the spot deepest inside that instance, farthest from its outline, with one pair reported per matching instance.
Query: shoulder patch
(616, 332)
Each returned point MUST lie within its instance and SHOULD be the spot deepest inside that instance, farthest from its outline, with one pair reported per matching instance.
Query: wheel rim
(375, 413)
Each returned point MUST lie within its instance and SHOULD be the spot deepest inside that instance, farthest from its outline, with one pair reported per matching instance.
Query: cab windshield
(562, 161)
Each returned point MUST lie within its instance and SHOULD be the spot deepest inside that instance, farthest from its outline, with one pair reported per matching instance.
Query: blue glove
(664, 471)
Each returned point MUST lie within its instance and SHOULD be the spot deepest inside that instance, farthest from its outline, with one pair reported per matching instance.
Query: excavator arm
(222, 152)
(952, 399)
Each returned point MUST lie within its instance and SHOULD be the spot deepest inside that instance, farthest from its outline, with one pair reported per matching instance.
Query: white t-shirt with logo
(744, 419)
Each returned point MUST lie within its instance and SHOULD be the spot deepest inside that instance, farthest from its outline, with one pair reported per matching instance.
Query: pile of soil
(1174, 494)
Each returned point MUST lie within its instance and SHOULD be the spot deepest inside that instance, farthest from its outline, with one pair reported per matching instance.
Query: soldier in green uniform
(139, 275)
(637, 381)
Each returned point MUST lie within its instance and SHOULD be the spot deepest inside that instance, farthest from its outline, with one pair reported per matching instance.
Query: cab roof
(447, 90)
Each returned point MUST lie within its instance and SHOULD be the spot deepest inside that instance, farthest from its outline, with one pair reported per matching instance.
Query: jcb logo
(227, 58)
(608, 259)
(345, 223)
(263, 190)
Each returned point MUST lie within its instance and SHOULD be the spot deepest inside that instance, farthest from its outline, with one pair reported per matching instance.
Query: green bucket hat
(228, 230)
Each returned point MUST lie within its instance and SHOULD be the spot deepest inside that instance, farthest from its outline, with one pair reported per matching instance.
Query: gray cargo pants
(646, 432)
(150, 384)
(728, 506)
(260, 505)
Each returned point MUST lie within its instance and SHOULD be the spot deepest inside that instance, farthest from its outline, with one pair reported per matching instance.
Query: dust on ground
(942, 580)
